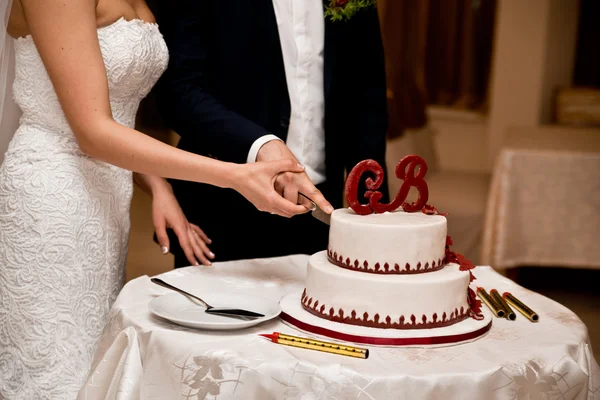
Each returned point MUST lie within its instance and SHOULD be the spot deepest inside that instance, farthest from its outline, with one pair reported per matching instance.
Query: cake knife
(319, 214)
(227, 312)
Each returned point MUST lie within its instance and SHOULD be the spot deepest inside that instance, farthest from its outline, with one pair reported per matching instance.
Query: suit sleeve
(182, 96)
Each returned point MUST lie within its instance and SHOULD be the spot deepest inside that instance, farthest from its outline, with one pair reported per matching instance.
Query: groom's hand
(288, 184)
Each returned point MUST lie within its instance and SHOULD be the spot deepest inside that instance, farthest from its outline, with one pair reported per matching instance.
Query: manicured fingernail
(209, 241)
(165, 249)
(301, 166)
(329, 209)
(197, 264)
(211, 254)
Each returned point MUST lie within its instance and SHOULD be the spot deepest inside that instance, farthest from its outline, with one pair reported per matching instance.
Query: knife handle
(305, 201)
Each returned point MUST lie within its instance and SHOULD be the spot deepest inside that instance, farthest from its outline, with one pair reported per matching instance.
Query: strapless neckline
(119, 21)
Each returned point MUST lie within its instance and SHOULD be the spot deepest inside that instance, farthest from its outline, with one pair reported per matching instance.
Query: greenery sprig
(343, 10)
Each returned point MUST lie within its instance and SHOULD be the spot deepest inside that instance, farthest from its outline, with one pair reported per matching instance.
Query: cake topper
(405, 170)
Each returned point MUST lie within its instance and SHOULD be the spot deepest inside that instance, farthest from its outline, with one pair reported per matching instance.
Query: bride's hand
(166, 213)
(256, 182)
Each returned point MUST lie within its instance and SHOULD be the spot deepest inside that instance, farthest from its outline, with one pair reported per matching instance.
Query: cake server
(319, 214)
(228, 312)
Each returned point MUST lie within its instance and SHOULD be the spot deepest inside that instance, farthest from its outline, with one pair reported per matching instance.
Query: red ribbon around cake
(405, 170)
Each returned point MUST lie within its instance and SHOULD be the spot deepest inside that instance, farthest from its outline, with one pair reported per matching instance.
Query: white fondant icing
(436, 292)
(393, 238)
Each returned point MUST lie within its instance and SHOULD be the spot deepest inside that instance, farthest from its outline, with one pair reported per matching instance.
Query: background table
(544, 201)
(141, 356)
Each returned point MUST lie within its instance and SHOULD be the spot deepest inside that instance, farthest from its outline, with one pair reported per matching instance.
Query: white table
(544, 200)
(143, 357)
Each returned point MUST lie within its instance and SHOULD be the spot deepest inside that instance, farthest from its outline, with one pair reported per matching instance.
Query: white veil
(9, 111)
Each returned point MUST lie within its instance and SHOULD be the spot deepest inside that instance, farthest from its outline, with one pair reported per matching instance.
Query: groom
(253, 80)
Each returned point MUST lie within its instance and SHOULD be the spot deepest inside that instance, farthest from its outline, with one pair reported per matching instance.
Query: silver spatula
(229, 312)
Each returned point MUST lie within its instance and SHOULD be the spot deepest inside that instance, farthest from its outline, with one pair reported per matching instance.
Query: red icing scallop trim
(412, 322)
(383, 268)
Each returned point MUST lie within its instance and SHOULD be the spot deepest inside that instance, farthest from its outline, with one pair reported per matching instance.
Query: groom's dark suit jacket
(225, 87)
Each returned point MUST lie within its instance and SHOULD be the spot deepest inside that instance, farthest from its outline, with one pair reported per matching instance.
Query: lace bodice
(135, 55)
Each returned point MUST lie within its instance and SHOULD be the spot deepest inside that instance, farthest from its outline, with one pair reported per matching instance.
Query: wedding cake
(390, 267)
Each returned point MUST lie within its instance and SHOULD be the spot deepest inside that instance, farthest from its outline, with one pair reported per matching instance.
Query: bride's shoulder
(17, 23)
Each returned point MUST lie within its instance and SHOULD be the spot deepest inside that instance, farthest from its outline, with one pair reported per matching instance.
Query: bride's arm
(66, 37)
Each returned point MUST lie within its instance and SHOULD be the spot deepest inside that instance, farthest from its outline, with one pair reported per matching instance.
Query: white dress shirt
(301, 27)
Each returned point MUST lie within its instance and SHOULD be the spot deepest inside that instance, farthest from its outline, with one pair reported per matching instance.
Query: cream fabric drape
(551, 359)
(543, 210)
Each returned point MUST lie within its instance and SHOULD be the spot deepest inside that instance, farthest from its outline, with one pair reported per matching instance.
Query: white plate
(183, 311)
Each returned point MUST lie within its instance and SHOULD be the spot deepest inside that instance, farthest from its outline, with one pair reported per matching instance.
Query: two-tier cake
(387, 271)
(390, 270)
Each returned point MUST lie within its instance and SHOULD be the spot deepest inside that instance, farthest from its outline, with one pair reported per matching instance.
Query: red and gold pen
(318, 345)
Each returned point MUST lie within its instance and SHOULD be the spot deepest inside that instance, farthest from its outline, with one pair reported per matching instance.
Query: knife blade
(316, 212)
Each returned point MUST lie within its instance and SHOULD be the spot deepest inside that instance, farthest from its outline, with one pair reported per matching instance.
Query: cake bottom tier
(419, 301)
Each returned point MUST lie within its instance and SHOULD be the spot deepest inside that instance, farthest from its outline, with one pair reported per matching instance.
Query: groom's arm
(185, 104)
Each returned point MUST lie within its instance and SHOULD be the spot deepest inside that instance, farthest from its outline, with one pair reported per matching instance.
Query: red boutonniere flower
(341, 10)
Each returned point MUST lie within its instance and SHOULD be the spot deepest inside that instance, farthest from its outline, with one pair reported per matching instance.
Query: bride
(82, 68)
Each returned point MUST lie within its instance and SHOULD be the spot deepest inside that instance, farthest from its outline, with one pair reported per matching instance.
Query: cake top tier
(390, 243)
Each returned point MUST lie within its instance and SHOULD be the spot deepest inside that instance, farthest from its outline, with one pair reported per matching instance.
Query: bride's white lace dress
(64, 220)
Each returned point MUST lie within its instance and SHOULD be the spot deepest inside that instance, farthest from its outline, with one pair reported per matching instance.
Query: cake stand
(465, 331)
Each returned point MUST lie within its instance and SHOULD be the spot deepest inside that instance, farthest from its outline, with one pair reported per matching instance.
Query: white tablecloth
(543, 210)
(141, 356)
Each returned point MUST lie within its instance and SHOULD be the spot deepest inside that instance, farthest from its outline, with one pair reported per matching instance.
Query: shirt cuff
(258, 143)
